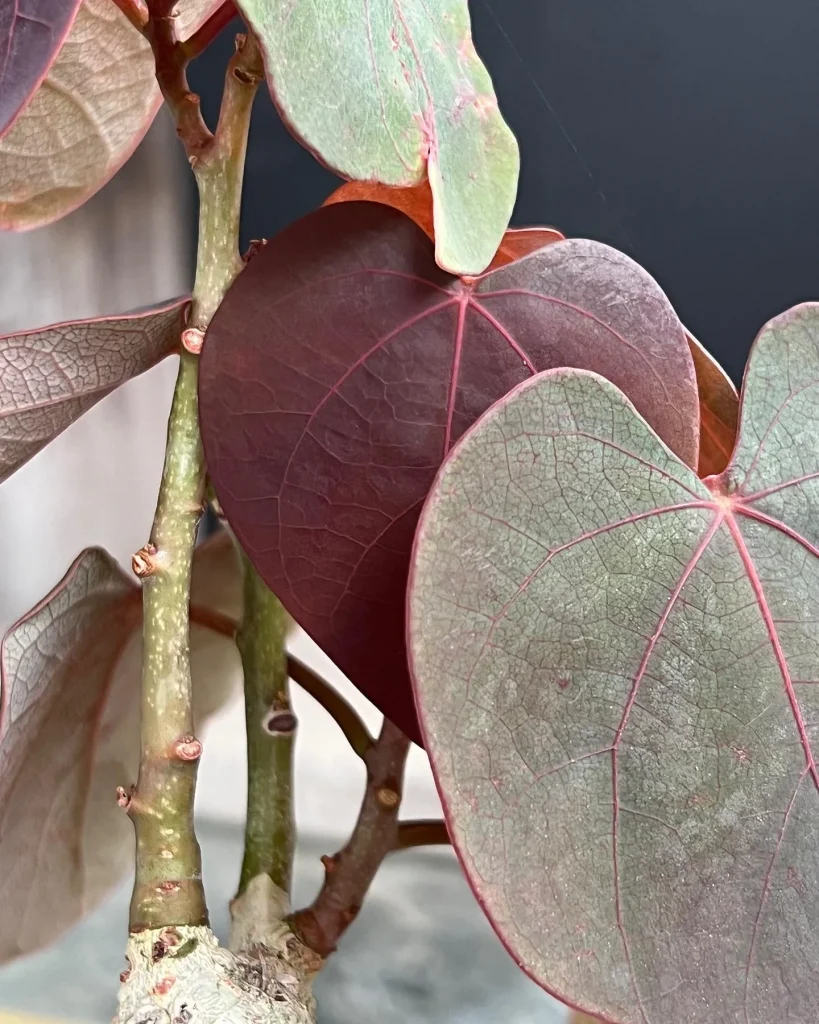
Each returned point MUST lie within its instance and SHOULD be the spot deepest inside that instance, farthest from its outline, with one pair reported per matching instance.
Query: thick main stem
(168, 887)
(271, 729)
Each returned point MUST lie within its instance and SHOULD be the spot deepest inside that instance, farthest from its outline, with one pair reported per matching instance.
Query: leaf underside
(342, 366)
(617, 671)
(394, 92)
(51, 376)
(31, 33)
(87, 117)
(69, 735)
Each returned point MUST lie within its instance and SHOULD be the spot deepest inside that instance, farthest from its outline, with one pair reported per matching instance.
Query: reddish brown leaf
(342, 366)
(719, 411)
(51, 376)
(69, 735)
(416, 203)
(31, 34)
(520, 242)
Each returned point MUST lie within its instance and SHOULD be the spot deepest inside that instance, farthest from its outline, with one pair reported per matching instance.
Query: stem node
(144, 562)
(192, 340)
(188, 748)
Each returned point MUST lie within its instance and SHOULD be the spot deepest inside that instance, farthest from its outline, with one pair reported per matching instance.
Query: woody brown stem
(171, 73)
(349, 873)
(421, 833)
(346, 718)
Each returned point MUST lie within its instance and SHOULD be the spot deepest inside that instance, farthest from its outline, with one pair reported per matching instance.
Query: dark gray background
(685, 134)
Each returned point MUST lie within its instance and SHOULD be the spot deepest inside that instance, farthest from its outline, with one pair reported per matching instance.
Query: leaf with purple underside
(69, 734)
(342, 366)
(617, 671)
(396, 93)
(51, 376)
(31, 34)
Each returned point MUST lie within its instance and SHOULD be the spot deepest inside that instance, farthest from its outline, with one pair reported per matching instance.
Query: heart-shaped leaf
(397, 93)
(342, 366)
(719, 403)
(617, 670)
(69, 735)
(416, 203)
(719, 411)
(31, 34)
(51, 376)
(87, 117)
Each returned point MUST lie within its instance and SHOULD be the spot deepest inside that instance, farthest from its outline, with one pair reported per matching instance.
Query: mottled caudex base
(183, 976)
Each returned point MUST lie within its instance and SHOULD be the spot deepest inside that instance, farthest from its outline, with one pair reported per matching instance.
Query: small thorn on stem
(188, 748)
(330, 863)
(256, 245)
(144, 563)
(192, 340)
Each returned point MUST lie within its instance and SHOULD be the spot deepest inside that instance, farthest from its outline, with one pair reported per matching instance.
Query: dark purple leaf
(617, 672)
(31, 34)
(342, 366)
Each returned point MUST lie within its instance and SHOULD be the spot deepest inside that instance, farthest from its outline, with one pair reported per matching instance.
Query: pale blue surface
(420, 952)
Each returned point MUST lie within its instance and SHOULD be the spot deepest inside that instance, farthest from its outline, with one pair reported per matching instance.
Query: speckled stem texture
(168, 888)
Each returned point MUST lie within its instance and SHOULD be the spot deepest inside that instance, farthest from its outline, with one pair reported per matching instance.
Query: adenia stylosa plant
(486, 469)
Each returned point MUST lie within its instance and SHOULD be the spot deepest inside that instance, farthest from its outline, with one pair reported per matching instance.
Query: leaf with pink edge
(616, 666)
(395, 93)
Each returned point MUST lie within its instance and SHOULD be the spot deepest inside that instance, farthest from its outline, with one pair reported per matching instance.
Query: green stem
(168, 887)
(271, 727)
